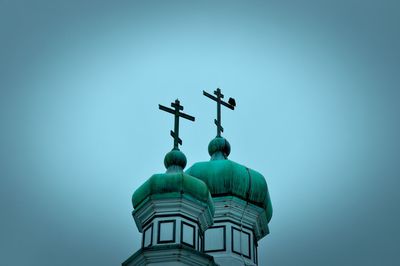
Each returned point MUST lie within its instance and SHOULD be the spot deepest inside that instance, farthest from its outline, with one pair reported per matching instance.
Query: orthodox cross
(177, 113)
(230, 104)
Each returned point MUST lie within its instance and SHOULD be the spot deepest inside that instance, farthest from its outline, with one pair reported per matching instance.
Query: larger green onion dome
(228, 178)
(173, 184)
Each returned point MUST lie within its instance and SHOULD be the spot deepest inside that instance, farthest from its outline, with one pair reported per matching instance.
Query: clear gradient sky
(317, 91)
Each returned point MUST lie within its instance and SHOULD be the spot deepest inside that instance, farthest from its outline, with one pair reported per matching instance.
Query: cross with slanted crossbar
(176, 112)
(230, 104)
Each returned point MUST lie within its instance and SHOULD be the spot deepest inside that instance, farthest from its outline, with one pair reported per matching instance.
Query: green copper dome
(227, 178)
(173, 184)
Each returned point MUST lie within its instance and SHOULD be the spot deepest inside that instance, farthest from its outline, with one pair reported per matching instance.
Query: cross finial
(230, 104)
(177, 113)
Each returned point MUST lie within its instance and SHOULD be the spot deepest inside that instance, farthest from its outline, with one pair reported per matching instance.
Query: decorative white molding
(186, 214)
(239, 218)
(170, 255)
(182, 206)
(242, 212)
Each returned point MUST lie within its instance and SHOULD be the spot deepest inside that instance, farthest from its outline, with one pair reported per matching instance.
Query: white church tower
(242, 207)
(172, 210)
(213, 214)
(241, 200)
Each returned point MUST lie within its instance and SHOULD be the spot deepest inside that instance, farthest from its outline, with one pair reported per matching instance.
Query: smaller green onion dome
(173, 184)
(175, 158)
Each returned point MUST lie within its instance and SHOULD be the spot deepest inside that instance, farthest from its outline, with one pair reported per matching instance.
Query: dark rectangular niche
(147, 240)
(166, 231)
(188, 234)
(215, 239)
(236, 242)
(199, 241)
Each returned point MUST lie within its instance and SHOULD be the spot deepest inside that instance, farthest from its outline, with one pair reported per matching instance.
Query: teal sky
(317, 92)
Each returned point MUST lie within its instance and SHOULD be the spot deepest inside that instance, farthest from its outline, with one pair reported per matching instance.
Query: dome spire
(219, 148)
(230, 104)
(175, 160)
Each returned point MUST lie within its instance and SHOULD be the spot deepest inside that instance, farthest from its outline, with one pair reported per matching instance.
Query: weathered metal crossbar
(177, 113)
(230, 104)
